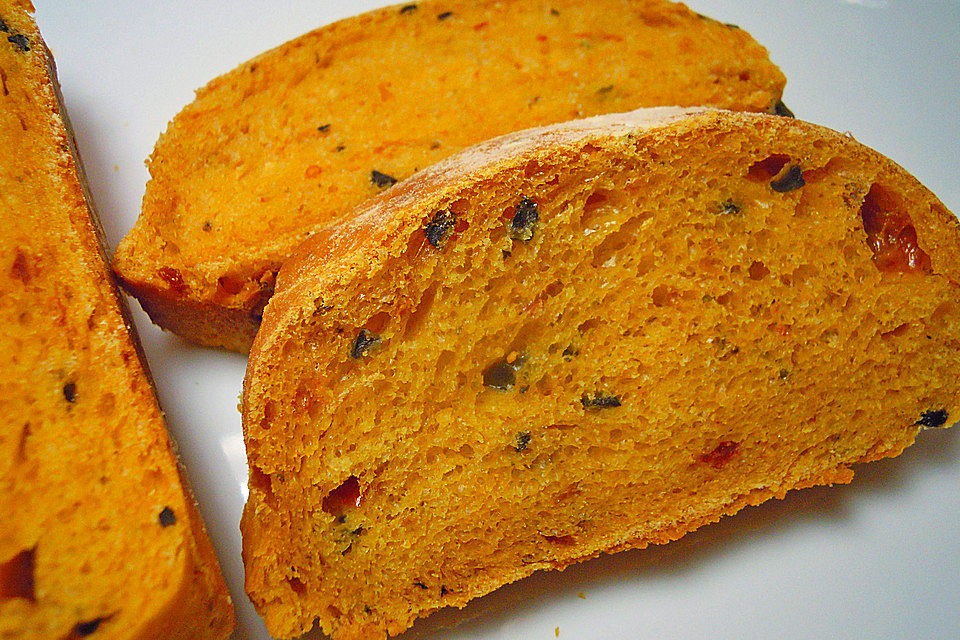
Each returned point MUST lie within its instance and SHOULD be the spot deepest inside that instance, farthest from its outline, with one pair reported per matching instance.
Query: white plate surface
(879, 558)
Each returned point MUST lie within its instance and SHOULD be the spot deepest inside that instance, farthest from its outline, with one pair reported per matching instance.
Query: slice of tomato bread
(293, 139)
(580, 339)
(99, 537)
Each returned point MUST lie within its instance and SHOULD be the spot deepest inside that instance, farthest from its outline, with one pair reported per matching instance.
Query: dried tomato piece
(173, 278)
(891, 235)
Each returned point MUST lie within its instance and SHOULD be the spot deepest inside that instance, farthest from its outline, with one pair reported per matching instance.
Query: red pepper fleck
(173, 278)
(21, 269)
(480, 25)
(600, 36)
(313, 171)
(720, 454)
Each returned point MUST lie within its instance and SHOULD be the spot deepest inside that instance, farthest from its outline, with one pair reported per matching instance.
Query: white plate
(876, 559)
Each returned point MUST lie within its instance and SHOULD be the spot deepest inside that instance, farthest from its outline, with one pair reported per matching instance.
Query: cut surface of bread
(293, 139)
(99, 536)
(580, 339)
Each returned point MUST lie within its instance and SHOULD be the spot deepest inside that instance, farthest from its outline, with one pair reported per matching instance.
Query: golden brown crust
(748, 360)
(87, 464)
(287, 142)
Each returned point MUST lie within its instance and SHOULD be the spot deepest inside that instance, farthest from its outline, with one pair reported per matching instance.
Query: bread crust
(323, 273)
(186, 599)
(232, 192)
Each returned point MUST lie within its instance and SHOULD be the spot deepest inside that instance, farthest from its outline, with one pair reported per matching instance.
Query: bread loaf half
(584, 338)
(293, 139)
(99, 536)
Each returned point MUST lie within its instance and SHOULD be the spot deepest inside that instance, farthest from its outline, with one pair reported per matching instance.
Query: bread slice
(293, 139)
(99, 537)
(579, 339)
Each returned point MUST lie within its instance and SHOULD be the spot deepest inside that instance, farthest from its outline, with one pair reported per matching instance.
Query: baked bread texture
(579, 339)
(293, 139)
(99, 537)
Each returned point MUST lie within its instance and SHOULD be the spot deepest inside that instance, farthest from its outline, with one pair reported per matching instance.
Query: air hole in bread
(17, 576)
(758, 271)
(344, 497)
(605, 253)
(420, 313)
(87, 627)
(231, 284)
(896, 332)
(296, 585)
(769, 168)
(663, 296)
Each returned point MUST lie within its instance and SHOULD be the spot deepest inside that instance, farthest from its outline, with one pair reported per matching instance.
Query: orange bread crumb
(99, 536)
(580, 339)
(293, 139)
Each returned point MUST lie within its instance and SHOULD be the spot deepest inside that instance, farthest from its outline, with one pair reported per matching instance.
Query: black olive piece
(362, 343)
(730, 25)
(523, 439)
(3, 26)
(783, 374)
(382, 179)
(524, 220)
(84, 629)
(933, 418)
(408, 8)
(340, 148)
(729, 207)
(439, 228)
(443, 590)
(419, 584)
(323, 127)
(599, 401)
(792, 180)
(444, 15)
(605, 90)
(367, 609)
(167, 518)
(342, 518)
(70, 391)
(20, 41)
(781, 109)
(554, 12)
(207, 226)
